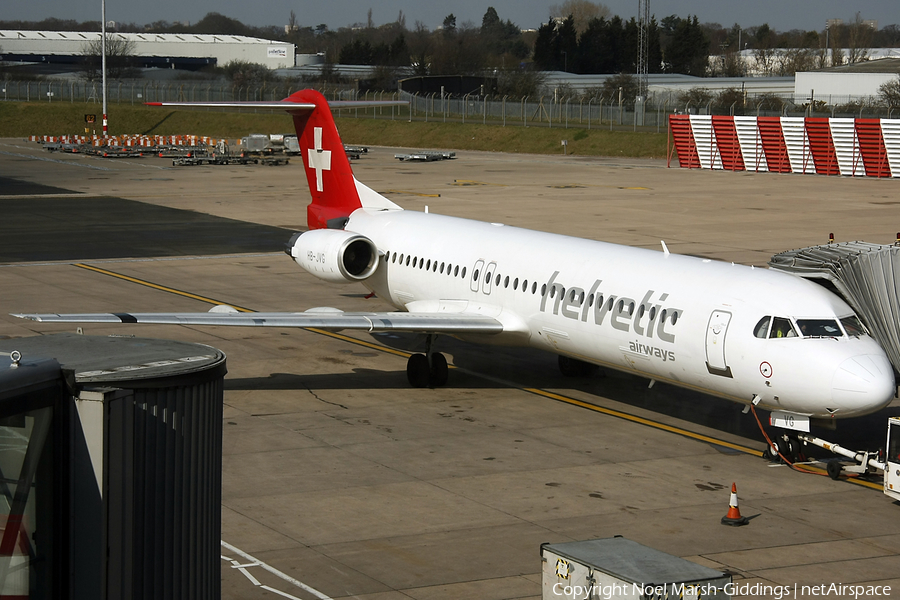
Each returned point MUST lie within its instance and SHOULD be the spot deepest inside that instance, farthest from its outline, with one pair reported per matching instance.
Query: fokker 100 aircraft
(754, 336)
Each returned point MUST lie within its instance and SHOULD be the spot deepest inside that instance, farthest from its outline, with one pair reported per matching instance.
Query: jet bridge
(865, 275)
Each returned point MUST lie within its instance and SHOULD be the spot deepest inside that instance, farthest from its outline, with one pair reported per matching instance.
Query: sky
(781, 15)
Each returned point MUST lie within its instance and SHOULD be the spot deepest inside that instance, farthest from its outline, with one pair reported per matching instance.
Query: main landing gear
(572, 367)
(429, 369)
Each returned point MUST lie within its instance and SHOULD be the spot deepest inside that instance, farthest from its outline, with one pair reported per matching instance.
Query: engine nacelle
(334, 255)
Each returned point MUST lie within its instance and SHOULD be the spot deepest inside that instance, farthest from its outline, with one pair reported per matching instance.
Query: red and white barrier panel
(810, 145)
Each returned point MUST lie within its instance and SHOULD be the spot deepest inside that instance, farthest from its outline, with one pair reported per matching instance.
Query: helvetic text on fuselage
(649, 318)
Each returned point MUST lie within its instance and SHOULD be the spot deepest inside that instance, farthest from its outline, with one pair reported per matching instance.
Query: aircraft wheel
(834, 469)
(417, 371)
(788, 446)
(439, 371)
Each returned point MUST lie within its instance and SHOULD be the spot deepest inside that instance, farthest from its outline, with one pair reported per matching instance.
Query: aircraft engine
(334, 255)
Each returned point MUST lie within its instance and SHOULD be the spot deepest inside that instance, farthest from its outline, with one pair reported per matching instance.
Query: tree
(698, 97)
(247, 74)
(501, 38)
(889, 92)
(688, 48)
(582, 11)
(449, 23)
(544, 58)
(519, 83)
(624, 84)
(859, 40)
(556, 48)
(119, 58)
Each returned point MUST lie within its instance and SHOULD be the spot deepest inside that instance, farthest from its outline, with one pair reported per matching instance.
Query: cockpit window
(853, 327)
(762, 328)
(819, 328)
(782, 328)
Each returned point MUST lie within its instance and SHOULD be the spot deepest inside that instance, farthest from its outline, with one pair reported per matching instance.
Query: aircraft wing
(419, 322)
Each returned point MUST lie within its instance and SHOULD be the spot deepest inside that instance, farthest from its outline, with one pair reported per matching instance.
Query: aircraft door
(715, 343)
(488, 277)
(477, 274)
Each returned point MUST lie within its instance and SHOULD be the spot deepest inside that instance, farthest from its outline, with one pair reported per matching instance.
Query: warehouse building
(151, 50)
(859, 80)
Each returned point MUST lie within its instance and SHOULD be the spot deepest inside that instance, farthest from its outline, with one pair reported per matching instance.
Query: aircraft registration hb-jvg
(754, 336)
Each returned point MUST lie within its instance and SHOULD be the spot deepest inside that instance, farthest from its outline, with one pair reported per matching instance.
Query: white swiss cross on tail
(319, 159)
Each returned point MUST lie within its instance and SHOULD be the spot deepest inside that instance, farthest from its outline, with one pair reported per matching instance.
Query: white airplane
(753, 336)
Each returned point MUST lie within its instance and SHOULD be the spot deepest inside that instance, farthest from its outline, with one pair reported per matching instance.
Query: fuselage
(692, 322)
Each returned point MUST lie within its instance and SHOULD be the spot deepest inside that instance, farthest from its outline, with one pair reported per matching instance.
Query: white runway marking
(255, 562)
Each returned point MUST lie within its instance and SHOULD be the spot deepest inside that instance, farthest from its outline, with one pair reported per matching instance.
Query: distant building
(859, 80)
(152, 50)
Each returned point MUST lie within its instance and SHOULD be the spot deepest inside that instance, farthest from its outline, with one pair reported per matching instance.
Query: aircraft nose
(863, 384)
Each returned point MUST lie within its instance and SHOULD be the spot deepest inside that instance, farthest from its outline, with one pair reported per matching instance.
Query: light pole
(103, 59)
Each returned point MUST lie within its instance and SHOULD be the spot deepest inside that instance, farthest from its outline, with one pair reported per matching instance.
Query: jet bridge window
(819, 328)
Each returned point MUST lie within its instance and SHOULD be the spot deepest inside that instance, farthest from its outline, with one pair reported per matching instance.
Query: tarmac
(340, 481)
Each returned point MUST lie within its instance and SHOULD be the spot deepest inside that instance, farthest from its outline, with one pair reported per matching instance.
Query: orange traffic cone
(734, 517)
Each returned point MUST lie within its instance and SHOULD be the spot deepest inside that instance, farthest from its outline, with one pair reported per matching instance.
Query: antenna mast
(643, 47)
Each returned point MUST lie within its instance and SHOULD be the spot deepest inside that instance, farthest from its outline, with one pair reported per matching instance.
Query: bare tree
(582, 11)
(859, 40)
(791, 60)
(119, 58)
(889, 92)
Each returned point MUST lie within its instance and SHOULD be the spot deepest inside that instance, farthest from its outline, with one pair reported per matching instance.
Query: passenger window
(506, 281)
(497, 282)
(762, 328)
(475, 275)
(819, 328)
(464, 274)
(533, 287)
(782, 328)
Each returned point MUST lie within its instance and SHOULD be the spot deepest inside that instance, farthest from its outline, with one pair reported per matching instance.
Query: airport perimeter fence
(537, 111)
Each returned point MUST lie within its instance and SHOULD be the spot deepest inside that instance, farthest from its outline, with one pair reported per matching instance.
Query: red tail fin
(331, 182)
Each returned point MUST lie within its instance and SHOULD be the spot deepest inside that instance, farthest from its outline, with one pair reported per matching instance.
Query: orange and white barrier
(131, 140)
(809, 145)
